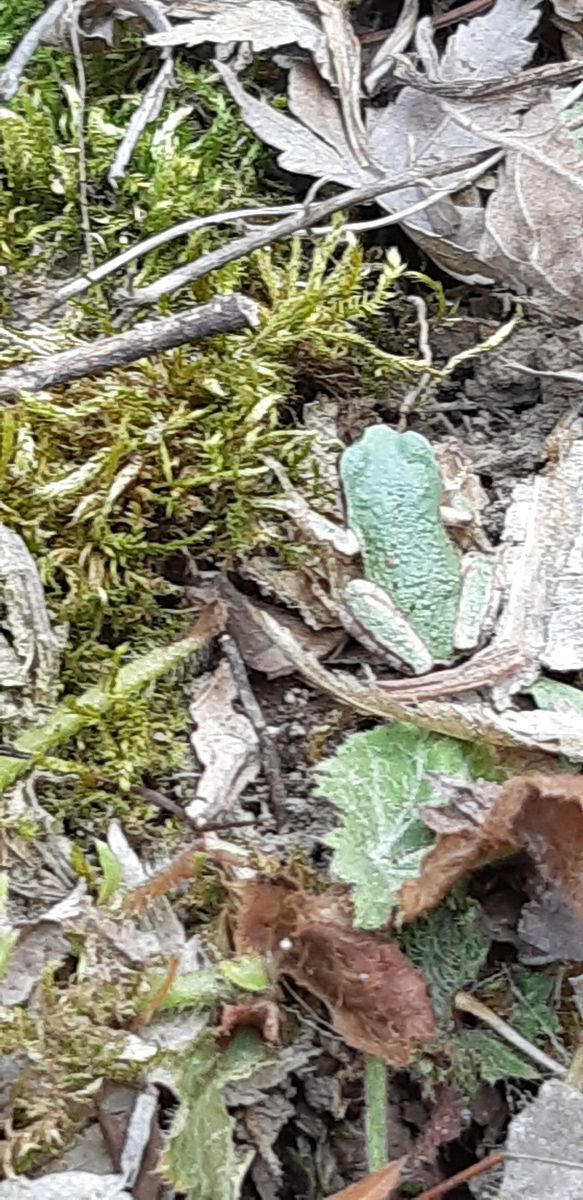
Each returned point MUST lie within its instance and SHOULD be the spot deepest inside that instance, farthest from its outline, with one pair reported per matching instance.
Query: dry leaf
(345, 51)
(533, 219)
(379, 1185)
(542, 814)
(279, 23)
(257, 1013)
(546, 1139)
(549, 931)
(258, 650)
(225, 743)
(377, 1001)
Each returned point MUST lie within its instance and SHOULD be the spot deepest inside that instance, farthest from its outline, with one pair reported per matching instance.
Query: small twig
(268, 749)
(466, 1003)
(197, 824)
(76, 287)
(73, 14)
(447, 1185)
(426, 353)
(19, 60)
(295, 223)
(156, 1001)
(149, 109)
(541, 1158)
(225, 314)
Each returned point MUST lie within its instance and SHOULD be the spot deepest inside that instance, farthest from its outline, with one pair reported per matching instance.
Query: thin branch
(252, 710)
(447, 1185)
(73, 16)
(80, 285)
(295, 223)
(224, 314)
(466, 1003)
(19, 60)
(76, 287)
(149, 109)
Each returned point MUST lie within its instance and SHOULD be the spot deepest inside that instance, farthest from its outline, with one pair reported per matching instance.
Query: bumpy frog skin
(414, 587)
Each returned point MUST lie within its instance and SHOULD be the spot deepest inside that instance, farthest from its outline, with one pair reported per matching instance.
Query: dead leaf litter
(290, 886)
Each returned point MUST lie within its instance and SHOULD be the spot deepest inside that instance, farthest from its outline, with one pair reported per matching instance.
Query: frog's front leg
(382, 621)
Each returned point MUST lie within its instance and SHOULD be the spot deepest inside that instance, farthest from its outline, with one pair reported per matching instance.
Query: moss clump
(73, 1039)
(114, 482)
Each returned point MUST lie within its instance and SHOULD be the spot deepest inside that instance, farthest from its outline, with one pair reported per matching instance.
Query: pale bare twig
(415, 392)
(17, 63)
(154, 15)
(224, 314)
(73, 18)
(295, 223)
(80, 285)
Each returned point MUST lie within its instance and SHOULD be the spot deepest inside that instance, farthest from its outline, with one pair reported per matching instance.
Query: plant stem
(375, 1093)
(73, 714)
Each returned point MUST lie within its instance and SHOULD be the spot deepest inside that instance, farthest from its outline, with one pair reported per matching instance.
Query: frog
(420, 599)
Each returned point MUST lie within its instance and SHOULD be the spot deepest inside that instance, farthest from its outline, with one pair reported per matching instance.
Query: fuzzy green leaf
(378, 781)
(491, 1058)
(532, 1013)
(201, 1160)
(248, 973)
(111, 870)
(449, 948)
(203, 989)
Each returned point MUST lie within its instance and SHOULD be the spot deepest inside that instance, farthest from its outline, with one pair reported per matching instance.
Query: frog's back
(393, 491)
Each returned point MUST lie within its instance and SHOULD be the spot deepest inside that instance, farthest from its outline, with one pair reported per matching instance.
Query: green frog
(420, 599)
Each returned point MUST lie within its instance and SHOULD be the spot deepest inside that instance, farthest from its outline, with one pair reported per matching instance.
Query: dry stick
(225, 314)
(480, 1168)
(466, 1003)
(74, 10)
(82, 283)
(269, 755)
(154, 16)
(19, 60)
(198, 825)
(295, 223)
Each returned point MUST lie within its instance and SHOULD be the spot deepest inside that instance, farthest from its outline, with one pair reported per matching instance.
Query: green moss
(113, 482)
(73, 1039)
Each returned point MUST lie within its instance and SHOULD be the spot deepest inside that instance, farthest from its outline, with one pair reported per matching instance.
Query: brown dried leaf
(256, 647)
(377, 1001)
(258, 1013)
(379, 1185)
(225, 743)
(542, 814)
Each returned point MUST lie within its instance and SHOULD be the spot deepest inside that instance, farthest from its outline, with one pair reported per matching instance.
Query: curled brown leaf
(377, 1001)
(542, 814)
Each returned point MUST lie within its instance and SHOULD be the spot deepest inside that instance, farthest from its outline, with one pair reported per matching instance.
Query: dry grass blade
(379, 1185)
